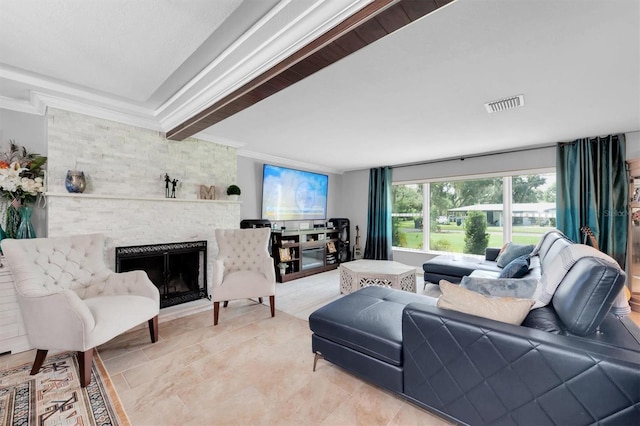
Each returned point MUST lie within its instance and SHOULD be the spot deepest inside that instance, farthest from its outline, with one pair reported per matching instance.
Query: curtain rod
(463, 157)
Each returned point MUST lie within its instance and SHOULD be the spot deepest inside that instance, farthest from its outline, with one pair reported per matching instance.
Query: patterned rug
(54, 396)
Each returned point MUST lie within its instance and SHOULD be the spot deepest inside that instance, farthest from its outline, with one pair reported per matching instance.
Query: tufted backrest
(46, 265)
(243, 249)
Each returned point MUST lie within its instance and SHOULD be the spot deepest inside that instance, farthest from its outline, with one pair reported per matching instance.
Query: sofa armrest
(491, 253)
(480, 371)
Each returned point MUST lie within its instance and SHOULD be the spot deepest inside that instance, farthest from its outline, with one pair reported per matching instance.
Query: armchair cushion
(244, 284)
(129, 310)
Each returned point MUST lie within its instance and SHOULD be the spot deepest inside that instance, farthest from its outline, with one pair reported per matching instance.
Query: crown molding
(218, 140)
(131, 118)
(34, 106)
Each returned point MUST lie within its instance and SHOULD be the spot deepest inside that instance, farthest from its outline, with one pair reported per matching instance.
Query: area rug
(54, 396)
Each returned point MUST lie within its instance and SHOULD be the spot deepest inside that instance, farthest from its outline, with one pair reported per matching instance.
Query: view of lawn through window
(443, 217)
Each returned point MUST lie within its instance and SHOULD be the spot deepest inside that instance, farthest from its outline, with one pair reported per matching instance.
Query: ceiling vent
(505, 104)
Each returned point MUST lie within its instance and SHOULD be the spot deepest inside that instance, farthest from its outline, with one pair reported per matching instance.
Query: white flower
(11, 181)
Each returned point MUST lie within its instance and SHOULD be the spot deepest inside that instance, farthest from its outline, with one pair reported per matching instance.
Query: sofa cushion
(368, 321)
(557, 270)
(517, 268)
(455, 266)
(504, 309)
(544, 319)
(512, 251)
(501, 287)
(587, 292)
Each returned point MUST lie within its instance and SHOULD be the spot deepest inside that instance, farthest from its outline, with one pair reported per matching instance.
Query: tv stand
(304, 252)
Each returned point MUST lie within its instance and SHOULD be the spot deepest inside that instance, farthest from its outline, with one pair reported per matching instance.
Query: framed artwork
(285, 255)
(331, 247)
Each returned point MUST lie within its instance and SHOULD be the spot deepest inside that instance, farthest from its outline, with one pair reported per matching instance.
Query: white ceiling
(415, 95)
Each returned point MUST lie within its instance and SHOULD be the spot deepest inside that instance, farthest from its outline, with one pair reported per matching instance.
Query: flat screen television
(289, 194)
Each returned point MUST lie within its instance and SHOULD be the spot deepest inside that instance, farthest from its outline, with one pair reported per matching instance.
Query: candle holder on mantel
(75, 181)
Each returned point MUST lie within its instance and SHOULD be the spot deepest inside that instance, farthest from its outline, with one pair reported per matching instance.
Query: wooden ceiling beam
(371, 23)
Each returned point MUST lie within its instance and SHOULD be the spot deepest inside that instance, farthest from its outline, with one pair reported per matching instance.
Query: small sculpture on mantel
(173, 188)
(173, 182)
(167, 180)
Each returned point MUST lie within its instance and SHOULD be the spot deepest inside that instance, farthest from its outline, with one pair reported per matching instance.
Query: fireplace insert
(177, 269)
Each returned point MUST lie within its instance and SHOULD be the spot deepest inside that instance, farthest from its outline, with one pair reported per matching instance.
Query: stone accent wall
(119, 159)
(125, 168)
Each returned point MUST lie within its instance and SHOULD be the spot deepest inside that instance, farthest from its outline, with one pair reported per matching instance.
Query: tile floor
(251, 369)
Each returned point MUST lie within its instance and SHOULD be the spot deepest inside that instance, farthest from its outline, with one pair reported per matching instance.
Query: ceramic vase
(12, 221)
(25, 229)
(3, 235)
(75, 181)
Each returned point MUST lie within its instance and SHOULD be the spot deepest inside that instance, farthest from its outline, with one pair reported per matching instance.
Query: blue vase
(12, 222)
(25, 229)
(75, 181)
(3, 235)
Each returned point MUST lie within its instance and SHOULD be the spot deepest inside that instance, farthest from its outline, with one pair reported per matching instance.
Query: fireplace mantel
(137, 198)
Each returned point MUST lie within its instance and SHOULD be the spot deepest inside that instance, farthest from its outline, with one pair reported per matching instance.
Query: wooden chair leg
(85, 359)
(260, 300)
(225, 304)
(216, 311)
(37, 363)
(153, 329)
(272, 302)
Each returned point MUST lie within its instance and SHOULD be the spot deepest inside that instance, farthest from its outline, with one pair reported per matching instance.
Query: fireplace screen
(177, 269)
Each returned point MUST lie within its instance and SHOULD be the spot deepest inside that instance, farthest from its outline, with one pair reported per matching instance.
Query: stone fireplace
(178, 270)
(125, 199)
(128, 222)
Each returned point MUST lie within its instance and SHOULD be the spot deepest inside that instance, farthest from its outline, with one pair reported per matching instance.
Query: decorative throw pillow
(517, 268)
(522, 288)
(504, 309)
(511, 251)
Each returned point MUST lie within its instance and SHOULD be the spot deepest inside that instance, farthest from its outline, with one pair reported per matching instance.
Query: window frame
(507, 201)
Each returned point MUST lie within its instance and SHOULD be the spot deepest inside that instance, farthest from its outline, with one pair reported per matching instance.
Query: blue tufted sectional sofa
(570, 362)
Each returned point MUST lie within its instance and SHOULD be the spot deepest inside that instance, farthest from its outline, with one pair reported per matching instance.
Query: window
(443, 222)
(456, 200)
(533, 207)
(406, 218)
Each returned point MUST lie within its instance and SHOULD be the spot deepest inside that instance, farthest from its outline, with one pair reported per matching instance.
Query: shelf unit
(633, 245)
(304, 252)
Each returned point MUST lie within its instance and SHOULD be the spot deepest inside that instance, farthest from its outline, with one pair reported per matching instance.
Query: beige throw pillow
(504, 309)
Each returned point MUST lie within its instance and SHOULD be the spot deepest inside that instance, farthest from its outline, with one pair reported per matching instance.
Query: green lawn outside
(454, 236)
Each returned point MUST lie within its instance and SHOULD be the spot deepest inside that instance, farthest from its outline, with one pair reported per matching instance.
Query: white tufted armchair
(243, 269)
(70, 299)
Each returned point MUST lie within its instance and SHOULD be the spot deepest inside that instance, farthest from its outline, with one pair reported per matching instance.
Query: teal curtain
(378, 243)
(592, 190)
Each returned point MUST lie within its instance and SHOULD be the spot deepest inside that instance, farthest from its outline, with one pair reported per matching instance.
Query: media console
(300, 253)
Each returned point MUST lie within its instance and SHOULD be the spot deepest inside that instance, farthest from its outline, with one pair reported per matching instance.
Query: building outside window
(518, 208)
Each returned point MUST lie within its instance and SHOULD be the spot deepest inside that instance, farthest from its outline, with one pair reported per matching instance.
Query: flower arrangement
(21, 183)
(21, 175)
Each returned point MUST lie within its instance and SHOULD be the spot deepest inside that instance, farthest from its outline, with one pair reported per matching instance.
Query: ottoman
(364, 340)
